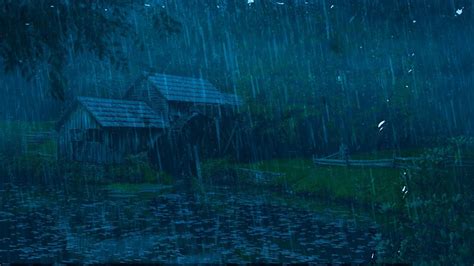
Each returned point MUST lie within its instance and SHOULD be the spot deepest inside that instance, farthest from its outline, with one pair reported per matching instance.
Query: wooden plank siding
(114, 145)
(80, 119)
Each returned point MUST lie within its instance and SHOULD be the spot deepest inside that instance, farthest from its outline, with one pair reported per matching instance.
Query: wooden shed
(197, 112)
(178, 98)
(107, 131)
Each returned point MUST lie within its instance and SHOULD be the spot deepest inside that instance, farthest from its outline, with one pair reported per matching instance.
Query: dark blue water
(97, 226)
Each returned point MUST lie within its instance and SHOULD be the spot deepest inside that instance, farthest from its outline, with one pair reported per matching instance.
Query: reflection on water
(219, 226)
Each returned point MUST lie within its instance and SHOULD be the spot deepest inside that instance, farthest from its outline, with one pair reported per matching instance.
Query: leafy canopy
(34, 32)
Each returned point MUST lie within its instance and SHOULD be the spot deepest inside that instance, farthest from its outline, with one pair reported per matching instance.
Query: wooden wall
(71, 131)
(81, 138)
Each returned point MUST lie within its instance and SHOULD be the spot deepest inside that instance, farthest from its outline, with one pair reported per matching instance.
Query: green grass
(336, 183)
(366, 185)
(49, 147)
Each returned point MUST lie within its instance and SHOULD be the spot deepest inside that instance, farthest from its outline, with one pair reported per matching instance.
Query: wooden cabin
(179, 98)
(107, 131)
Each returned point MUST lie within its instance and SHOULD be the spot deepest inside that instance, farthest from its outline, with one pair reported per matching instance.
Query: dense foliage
(54, 33)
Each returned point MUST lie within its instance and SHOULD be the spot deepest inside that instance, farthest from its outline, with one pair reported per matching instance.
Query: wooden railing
(350, 162)
(39, 137)
(396, 162)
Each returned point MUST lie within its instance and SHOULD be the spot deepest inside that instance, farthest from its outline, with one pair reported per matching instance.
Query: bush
(219, 171)
(137, 169)
(436, 226)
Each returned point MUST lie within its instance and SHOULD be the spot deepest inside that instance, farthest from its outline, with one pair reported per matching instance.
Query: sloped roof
(186, 89)
(122, 113)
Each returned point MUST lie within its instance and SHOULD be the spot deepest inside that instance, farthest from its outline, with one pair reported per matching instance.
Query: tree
(35, 32)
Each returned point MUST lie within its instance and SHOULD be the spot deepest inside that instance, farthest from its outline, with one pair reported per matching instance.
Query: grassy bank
(425, 213)
(364, 185)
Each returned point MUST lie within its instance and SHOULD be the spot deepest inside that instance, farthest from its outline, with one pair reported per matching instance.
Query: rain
(237, 131)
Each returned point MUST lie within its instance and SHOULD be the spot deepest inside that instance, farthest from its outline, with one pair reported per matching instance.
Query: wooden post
(197, 162)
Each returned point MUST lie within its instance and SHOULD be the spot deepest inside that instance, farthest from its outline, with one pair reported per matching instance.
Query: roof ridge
(190, 89)
(176, 76)
(110, 99)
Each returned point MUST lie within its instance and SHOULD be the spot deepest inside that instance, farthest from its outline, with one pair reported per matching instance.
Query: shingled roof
(111, 113)
(122, 113)
(186, 89)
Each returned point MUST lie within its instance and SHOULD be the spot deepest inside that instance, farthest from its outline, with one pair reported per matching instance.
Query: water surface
(96, 225)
